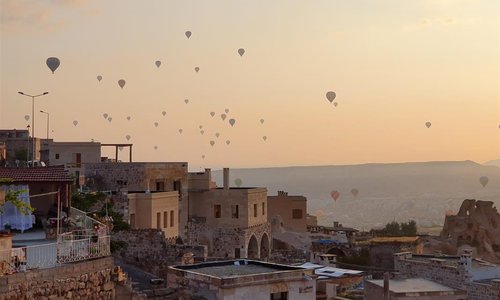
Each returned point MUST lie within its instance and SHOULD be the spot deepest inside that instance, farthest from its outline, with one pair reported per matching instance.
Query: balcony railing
(81, 220)
(73, 248)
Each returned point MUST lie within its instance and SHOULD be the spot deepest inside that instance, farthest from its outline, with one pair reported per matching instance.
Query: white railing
(31, 257)
(77, 248)
(70, 248)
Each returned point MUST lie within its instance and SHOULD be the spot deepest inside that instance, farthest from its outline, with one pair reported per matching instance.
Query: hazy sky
(393, 64)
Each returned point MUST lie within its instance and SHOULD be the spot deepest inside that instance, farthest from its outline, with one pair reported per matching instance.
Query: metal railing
(73, 248)
(81, 220)
(30, 257)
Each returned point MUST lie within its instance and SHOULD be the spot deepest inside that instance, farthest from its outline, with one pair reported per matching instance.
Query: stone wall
(84, 280)
(484, 291)
(148, 249)
(223, 242)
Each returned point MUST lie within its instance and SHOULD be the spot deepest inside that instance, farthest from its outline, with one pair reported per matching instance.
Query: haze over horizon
(393, 65)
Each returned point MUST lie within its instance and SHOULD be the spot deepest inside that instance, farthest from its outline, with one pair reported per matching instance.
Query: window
(57, 155)
(77, 160)
(297, 214)
(263, 208)
(132, 221)
(158, 220)
(255, 210)
(235, 211)
(217, 211)
(160, 186)
(279, 296)
(165, 219)
(171, 218)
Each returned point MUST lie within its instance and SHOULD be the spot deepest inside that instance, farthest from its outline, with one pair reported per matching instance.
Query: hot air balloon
(335, 104)
(156, 124)
(228, 142)
(128, 118)
(202, 131)
(121, 83)
(201, 126)
(483, 180)
(449, 212)
(99, 78)
(197, 69)
(105, 115)
(217, 135)
(186, 101)
(188, 34)
(120, 148)
(180, 131)
(331, 96)
(335, 195)
(163, 113)
(223, 117)
(156, 147)
(226, 110)
(241, 51)
(212, 143)
(354, 192)
(110, 119)
(261, 121)
(232, 121)
(264, 138)
(27, 117)
(238, 182)
(128, 137)
(158, 63)
(428, 124)
(75, 122)
(53, 63)
(212, 113)
(203, 156)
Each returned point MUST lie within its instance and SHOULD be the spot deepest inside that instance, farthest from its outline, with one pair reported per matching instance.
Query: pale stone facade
(158, 210)
(243, 279)
(143, 176)
(232, 222)
(19, 140)
(73, 155)
(412, 289)
(292, 211)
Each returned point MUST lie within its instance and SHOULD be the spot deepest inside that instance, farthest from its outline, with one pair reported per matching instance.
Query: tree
(13, 197)
(392, 229)
(409, 228)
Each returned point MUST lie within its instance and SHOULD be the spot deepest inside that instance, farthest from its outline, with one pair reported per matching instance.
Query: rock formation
(477, 224)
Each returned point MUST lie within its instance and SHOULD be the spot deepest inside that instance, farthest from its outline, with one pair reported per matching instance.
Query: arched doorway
(264, 247)
(253, 248)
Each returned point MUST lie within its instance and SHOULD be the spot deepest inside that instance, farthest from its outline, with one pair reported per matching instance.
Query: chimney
(226, 178)
(335, 224)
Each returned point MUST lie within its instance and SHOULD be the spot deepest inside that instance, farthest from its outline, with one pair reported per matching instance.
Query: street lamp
(48, 117)
(33, 120)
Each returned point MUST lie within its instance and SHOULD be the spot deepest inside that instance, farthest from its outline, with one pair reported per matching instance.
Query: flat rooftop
(234, 268)
(413, 285)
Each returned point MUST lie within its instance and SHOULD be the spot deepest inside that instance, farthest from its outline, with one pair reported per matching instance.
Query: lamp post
(28, 148)
(48, 118)
(33, 120)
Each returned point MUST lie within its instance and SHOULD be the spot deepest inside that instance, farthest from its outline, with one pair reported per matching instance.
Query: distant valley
(399, 191)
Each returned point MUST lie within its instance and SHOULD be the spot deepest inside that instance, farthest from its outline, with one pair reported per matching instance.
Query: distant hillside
(495, 162)
(399, 191)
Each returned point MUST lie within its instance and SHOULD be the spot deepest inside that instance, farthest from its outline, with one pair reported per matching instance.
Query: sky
(394, 65)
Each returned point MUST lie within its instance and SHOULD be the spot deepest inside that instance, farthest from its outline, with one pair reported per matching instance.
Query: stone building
(73, 155)
(479, 278)
(19, 145)
(290, 210)
(244, 279)
(382, 249)
(158, 210)
(123, 178)
(413, 288)
(232, 222)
